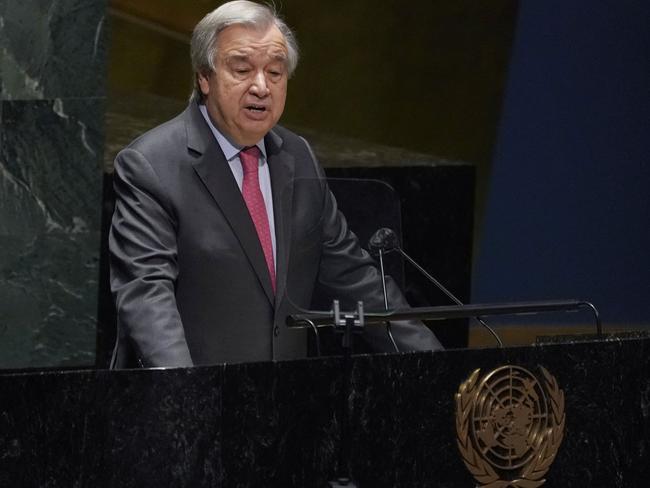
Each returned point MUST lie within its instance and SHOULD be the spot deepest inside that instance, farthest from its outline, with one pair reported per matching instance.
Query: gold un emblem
(510, 426)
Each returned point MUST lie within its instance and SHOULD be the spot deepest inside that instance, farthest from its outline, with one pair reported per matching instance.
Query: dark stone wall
(52, 71)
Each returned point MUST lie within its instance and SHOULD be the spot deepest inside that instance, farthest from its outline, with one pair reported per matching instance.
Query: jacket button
(276, 331)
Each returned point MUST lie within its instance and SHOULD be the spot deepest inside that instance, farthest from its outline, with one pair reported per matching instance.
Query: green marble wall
(52, 79)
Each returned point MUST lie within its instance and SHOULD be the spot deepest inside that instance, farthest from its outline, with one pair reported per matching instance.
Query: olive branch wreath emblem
(545, 446)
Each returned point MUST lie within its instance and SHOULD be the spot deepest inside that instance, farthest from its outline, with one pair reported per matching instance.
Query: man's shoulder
(290, 140)
(284, 133)
(168, 136)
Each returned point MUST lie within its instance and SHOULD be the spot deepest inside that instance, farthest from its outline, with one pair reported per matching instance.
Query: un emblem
(510, 425)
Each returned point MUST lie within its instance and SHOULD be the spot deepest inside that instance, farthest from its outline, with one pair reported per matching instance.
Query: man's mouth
(256, 108)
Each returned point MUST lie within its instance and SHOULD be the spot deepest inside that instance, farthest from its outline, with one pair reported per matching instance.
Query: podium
(276, 423)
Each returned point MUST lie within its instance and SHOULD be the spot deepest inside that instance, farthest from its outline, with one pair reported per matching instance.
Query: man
(224, 223)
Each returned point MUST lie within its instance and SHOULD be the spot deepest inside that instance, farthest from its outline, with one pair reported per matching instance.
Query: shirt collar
(230, 149)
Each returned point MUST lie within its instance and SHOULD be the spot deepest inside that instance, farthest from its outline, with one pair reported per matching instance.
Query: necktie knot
(250, 157)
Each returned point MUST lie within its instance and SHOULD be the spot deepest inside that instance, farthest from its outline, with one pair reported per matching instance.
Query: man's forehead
(242, 41)
(244, 55)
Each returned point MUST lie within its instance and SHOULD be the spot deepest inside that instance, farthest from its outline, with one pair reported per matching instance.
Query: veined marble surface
(52, 65)
(52, 49)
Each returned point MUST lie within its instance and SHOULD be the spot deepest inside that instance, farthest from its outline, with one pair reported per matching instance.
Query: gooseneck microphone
(384, 241)
(378, 242)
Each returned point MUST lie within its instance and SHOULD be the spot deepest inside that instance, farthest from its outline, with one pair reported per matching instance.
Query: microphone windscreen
(384, 239)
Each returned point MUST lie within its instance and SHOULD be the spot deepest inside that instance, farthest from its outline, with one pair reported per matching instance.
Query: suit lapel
(281, 167)
(213, 170)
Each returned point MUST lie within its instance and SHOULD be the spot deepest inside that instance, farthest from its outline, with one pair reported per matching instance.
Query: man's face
(245, 95)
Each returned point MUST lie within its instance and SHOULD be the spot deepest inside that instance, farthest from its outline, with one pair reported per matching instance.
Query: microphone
(384, 241)
(380, 242)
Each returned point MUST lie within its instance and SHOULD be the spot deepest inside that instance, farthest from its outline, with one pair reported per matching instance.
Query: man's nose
(260, 86)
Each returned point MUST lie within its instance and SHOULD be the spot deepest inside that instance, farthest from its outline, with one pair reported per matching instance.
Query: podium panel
(277, 423)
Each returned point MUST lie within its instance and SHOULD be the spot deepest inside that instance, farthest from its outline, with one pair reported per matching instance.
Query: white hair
(204, 47)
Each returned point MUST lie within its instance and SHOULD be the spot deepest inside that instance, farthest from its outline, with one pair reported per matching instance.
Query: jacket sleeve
(144, 268)
(348, 273)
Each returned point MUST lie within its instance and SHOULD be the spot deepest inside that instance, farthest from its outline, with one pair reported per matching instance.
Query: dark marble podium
(276, 424)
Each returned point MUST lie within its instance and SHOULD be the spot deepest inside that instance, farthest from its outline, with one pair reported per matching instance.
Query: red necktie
(252, 194)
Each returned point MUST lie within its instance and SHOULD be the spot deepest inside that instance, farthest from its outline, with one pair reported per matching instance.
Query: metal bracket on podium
(347, 323)
(354, 319)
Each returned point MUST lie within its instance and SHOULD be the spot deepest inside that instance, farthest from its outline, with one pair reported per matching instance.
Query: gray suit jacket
(187, 270)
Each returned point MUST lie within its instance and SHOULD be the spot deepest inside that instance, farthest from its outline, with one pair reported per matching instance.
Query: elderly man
(223, 221)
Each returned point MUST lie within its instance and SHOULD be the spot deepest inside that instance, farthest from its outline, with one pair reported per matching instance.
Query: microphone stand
(383, 284)
(384, 241)
(442, 288)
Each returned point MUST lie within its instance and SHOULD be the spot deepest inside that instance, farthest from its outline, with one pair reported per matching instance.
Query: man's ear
(204, 82)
